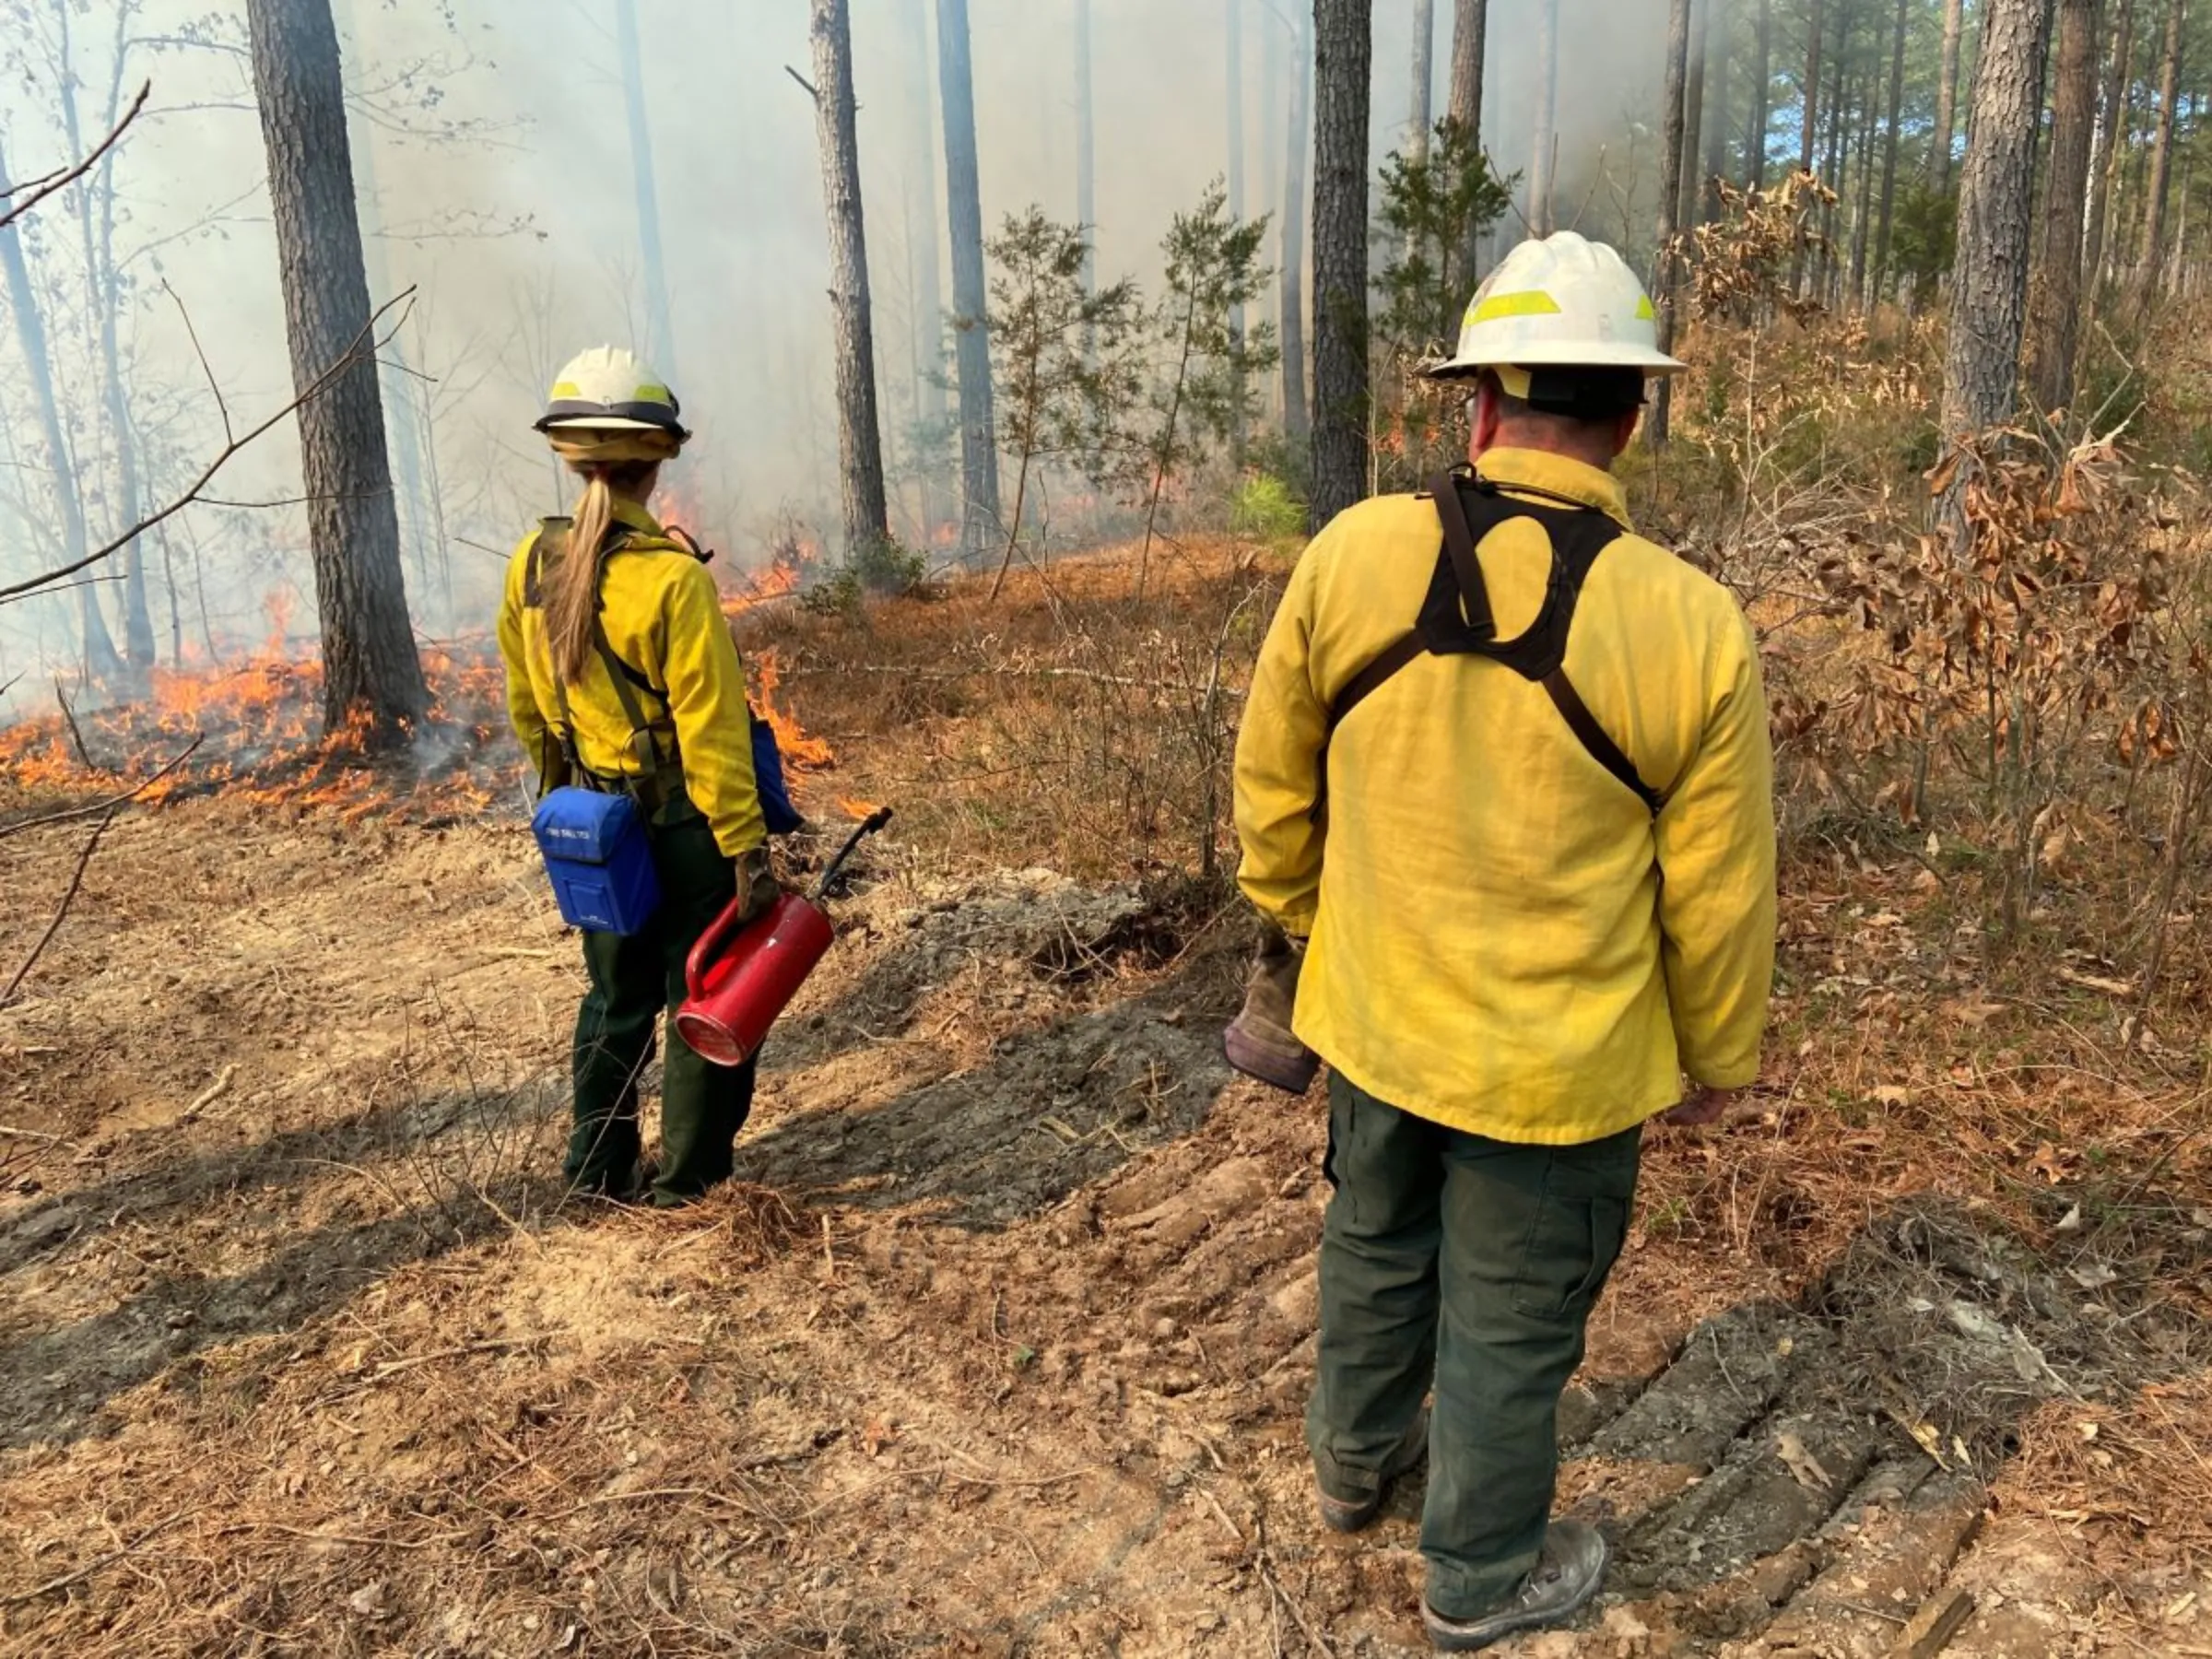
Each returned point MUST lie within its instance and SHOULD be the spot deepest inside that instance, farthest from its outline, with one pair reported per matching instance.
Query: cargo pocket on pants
(1571, 1244)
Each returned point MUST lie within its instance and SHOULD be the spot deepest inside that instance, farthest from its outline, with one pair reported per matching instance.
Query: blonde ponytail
(572, 592)
(572, 598)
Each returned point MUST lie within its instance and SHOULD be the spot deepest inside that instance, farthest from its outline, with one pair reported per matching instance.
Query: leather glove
(1259, 1041)
(757, 888)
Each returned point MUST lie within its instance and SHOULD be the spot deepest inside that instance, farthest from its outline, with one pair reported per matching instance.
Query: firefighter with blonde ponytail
(622, 678)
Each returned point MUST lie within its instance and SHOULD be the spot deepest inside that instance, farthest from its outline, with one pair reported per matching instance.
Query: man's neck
(1590, 454)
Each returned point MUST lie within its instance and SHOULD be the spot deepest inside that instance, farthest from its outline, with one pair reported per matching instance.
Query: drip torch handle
(712, 944)
(876, 820)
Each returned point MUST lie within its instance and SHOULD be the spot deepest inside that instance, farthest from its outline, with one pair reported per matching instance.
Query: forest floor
(1001, 1344)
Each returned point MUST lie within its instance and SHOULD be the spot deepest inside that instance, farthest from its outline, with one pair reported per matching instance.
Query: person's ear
(1487, 418)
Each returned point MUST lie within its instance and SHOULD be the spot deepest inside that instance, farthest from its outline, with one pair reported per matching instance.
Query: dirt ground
(1001, 1344)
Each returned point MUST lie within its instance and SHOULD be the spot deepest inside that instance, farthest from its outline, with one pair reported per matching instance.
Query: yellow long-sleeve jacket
(664, 617)
(1493, 945)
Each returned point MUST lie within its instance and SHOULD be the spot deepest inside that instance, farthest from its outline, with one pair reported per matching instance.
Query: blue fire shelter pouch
(599, 857)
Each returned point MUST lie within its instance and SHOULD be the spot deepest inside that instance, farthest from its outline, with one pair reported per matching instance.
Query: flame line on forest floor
(115, 804)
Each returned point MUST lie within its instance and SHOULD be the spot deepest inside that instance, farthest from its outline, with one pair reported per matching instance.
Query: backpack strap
(1456, 617)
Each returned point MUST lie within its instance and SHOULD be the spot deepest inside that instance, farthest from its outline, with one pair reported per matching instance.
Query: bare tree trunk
(2112, 123)
(370, 672)
(859, 434)
(925, 223)
(1470, 23)
(1996, 192)
(1296, 423)
(1344, 64)
(1272, 57)
(1671, 119)
(1946, 97)
(2161, 151)
(1718, 131)
(2055, 297)
(1689, 181)
(1235, 55)
(1831, 162)
(104, 290)
(100, 661)
(1544, 146)
(1419, 115)
(1863, 214)
(979, 438)
(1890, 149)
(659, 320)
(1762, 112)
(1808, 127)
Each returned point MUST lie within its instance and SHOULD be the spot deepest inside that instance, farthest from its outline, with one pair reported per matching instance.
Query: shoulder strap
(1456, 617)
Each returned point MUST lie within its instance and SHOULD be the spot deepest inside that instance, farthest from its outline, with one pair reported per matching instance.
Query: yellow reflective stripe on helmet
(568, 390)
(1515, 382)
(1644, 314)
(1529, 302)
(651, 395)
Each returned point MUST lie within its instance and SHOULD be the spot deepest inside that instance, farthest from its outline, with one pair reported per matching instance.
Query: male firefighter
(1504, 788)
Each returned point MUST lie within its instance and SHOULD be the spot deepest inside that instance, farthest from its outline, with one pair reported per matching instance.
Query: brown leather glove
(757, 888)
(1259, 1041)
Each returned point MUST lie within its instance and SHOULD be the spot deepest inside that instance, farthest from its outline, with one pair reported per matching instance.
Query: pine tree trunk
(1235, 135)
(1673, 118)
(100, 662)
(1863, 214)
(1344, 63)
(1808, 131)
(1996, 192)
(1719, 113)
(370, 672)
(660, 321)
(2113, 122)
(1946, 97)
(979, 438)
(1689, 184)
(1831, 155)
(1420, 118)
(924, 223)
(859, 433)
(1544, 144)
(1762, 112)
(1470, 23)
(1890, 149)
(2056, 293)
(1291, 292)
(2161, 151)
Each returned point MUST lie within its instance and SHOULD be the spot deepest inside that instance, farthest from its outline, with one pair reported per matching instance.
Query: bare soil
(999, 1349)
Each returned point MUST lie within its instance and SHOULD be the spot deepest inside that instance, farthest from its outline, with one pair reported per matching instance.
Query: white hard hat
(1562, 302)
(609, 389)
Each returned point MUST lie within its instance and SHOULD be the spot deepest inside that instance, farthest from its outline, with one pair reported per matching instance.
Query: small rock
(369, 1600)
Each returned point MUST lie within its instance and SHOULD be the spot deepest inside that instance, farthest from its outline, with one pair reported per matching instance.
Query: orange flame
(858, 811)
(800, 750)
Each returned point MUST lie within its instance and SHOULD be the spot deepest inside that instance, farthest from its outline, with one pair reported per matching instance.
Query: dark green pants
(632, 980)
(1471, 1264)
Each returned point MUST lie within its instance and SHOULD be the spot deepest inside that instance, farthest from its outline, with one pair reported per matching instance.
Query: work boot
(1342, 1514)
(1259, 1041)
(1566, 1576)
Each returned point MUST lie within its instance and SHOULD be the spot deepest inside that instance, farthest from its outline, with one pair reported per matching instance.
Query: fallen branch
(41, 188)
(122, 800)
(212, 1093)
(82, 1573)
(54, 927)
(365, 344)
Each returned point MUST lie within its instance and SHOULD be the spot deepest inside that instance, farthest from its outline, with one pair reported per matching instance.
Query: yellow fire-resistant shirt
(1492, 945)
(664, 617)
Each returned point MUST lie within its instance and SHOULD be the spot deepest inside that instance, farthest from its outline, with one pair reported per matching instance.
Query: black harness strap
(1457, 619)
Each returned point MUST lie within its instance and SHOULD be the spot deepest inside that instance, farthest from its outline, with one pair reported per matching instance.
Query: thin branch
(804, 85)
(364, 343)
(76, 737)
(63, 181)
(60, 912)
(82, 1573)
(107, 806)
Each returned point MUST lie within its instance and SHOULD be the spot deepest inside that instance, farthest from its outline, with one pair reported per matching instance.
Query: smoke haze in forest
(493, 159)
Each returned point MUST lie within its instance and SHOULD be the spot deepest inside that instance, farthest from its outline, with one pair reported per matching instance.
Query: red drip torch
(740, 977)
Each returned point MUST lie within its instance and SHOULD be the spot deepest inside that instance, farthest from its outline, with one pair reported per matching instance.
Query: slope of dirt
(1000, 1349)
